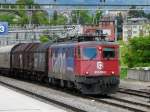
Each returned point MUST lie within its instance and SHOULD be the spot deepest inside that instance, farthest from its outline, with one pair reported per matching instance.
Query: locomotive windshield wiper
(93, 56)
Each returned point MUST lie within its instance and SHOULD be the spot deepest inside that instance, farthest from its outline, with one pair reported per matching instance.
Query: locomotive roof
(6, 49)
(21, 47)
(85, 43)
(31, 47)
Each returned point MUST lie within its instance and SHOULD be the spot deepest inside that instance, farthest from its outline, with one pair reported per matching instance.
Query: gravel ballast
(63, 97)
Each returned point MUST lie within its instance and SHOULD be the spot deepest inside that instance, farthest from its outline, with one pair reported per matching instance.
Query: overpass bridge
(18, 34)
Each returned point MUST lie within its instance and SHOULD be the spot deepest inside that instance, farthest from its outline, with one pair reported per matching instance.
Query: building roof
(6, 49)
(136, 21)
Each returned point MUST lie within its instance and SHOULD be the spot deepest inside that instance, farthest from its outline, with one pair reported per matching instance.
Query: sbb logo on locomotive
(100, 65)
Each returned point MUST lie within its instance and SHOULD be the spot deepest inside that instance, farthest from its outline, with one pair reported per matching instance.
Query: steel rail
(134, 93)
(105, 101)
(131, 102)
(138, 91)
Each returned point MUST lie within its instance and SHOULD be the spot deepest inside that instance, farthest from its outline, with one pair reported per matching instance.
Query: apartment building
(135, 27)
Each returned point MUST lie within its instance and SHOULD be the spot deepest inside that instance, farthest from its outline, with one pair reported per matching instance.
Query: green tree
(98, 16)
(81, 17)
(61, 20)
(148, 15)
(138, 52)
(40, 17)
(136, 13)
(36, 17)
(9, 17)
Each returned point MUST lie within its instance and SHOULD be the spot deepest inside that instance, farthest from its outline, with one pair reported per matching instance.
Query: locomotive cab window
(108, 53)
(89, 53)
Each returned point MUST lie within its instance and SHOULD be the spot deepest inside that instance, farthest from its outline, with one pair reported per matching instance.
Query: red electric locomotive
(85, 63)
(92, 66)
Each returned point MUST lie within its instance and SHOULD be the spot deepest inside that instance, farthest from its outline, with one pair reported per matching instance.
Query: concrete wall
(142, 75)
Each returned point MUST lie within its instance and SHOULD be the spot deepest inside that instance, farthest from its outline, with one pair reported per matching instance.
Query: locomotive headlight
(100, 48)
(113, 72)
(86, 73)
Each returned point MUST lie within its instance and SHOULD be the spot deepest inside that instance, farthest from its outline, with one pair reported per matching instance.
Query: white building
(134, 27)
(114, 13)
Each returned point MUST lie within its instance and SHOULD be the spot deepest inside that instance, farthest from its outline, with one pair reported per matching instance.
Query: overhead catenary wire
(56, 6)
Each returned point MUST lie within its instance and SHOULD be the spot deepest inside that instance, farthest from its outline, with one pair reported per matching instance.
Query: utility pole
(116, 30)
(102, 1)
(78, 17)
(55, 12)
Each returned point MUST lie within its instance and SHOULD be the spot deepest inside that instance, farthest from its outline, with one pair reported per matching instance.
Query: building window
(126, 26)
(134, 26)
(134, 32)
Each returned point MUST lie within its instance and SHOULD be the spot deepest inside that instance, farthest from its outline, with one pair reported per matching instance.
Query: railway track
(69, 107)
(125, 104)
(113, 101)
(144, 94)
(143, 91)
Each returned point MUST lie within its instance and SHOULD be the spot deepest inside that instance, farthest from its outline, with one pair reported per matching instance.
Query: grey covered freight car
(5, 58)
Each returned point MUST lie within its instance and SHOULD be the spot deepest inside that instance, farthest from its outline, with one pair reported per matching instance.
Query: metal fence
(142, 75)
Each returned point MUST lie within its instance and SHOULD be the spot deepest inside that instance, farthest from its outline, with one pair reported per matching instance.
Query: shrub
(138, 53)
(44, 38)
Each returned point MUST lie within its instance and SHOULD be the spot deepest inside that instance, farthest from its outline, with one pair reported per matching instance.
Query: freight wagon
(92, 67)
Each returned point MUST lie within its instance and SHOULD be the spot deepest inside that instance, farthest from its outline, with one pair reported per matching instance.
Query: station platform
(134, 84)
(12, 101)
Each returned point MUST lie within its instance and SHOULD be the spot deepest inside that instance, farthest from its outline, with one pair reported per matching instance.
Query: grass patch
(123, 73)
(123, 49)
(123, 64)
